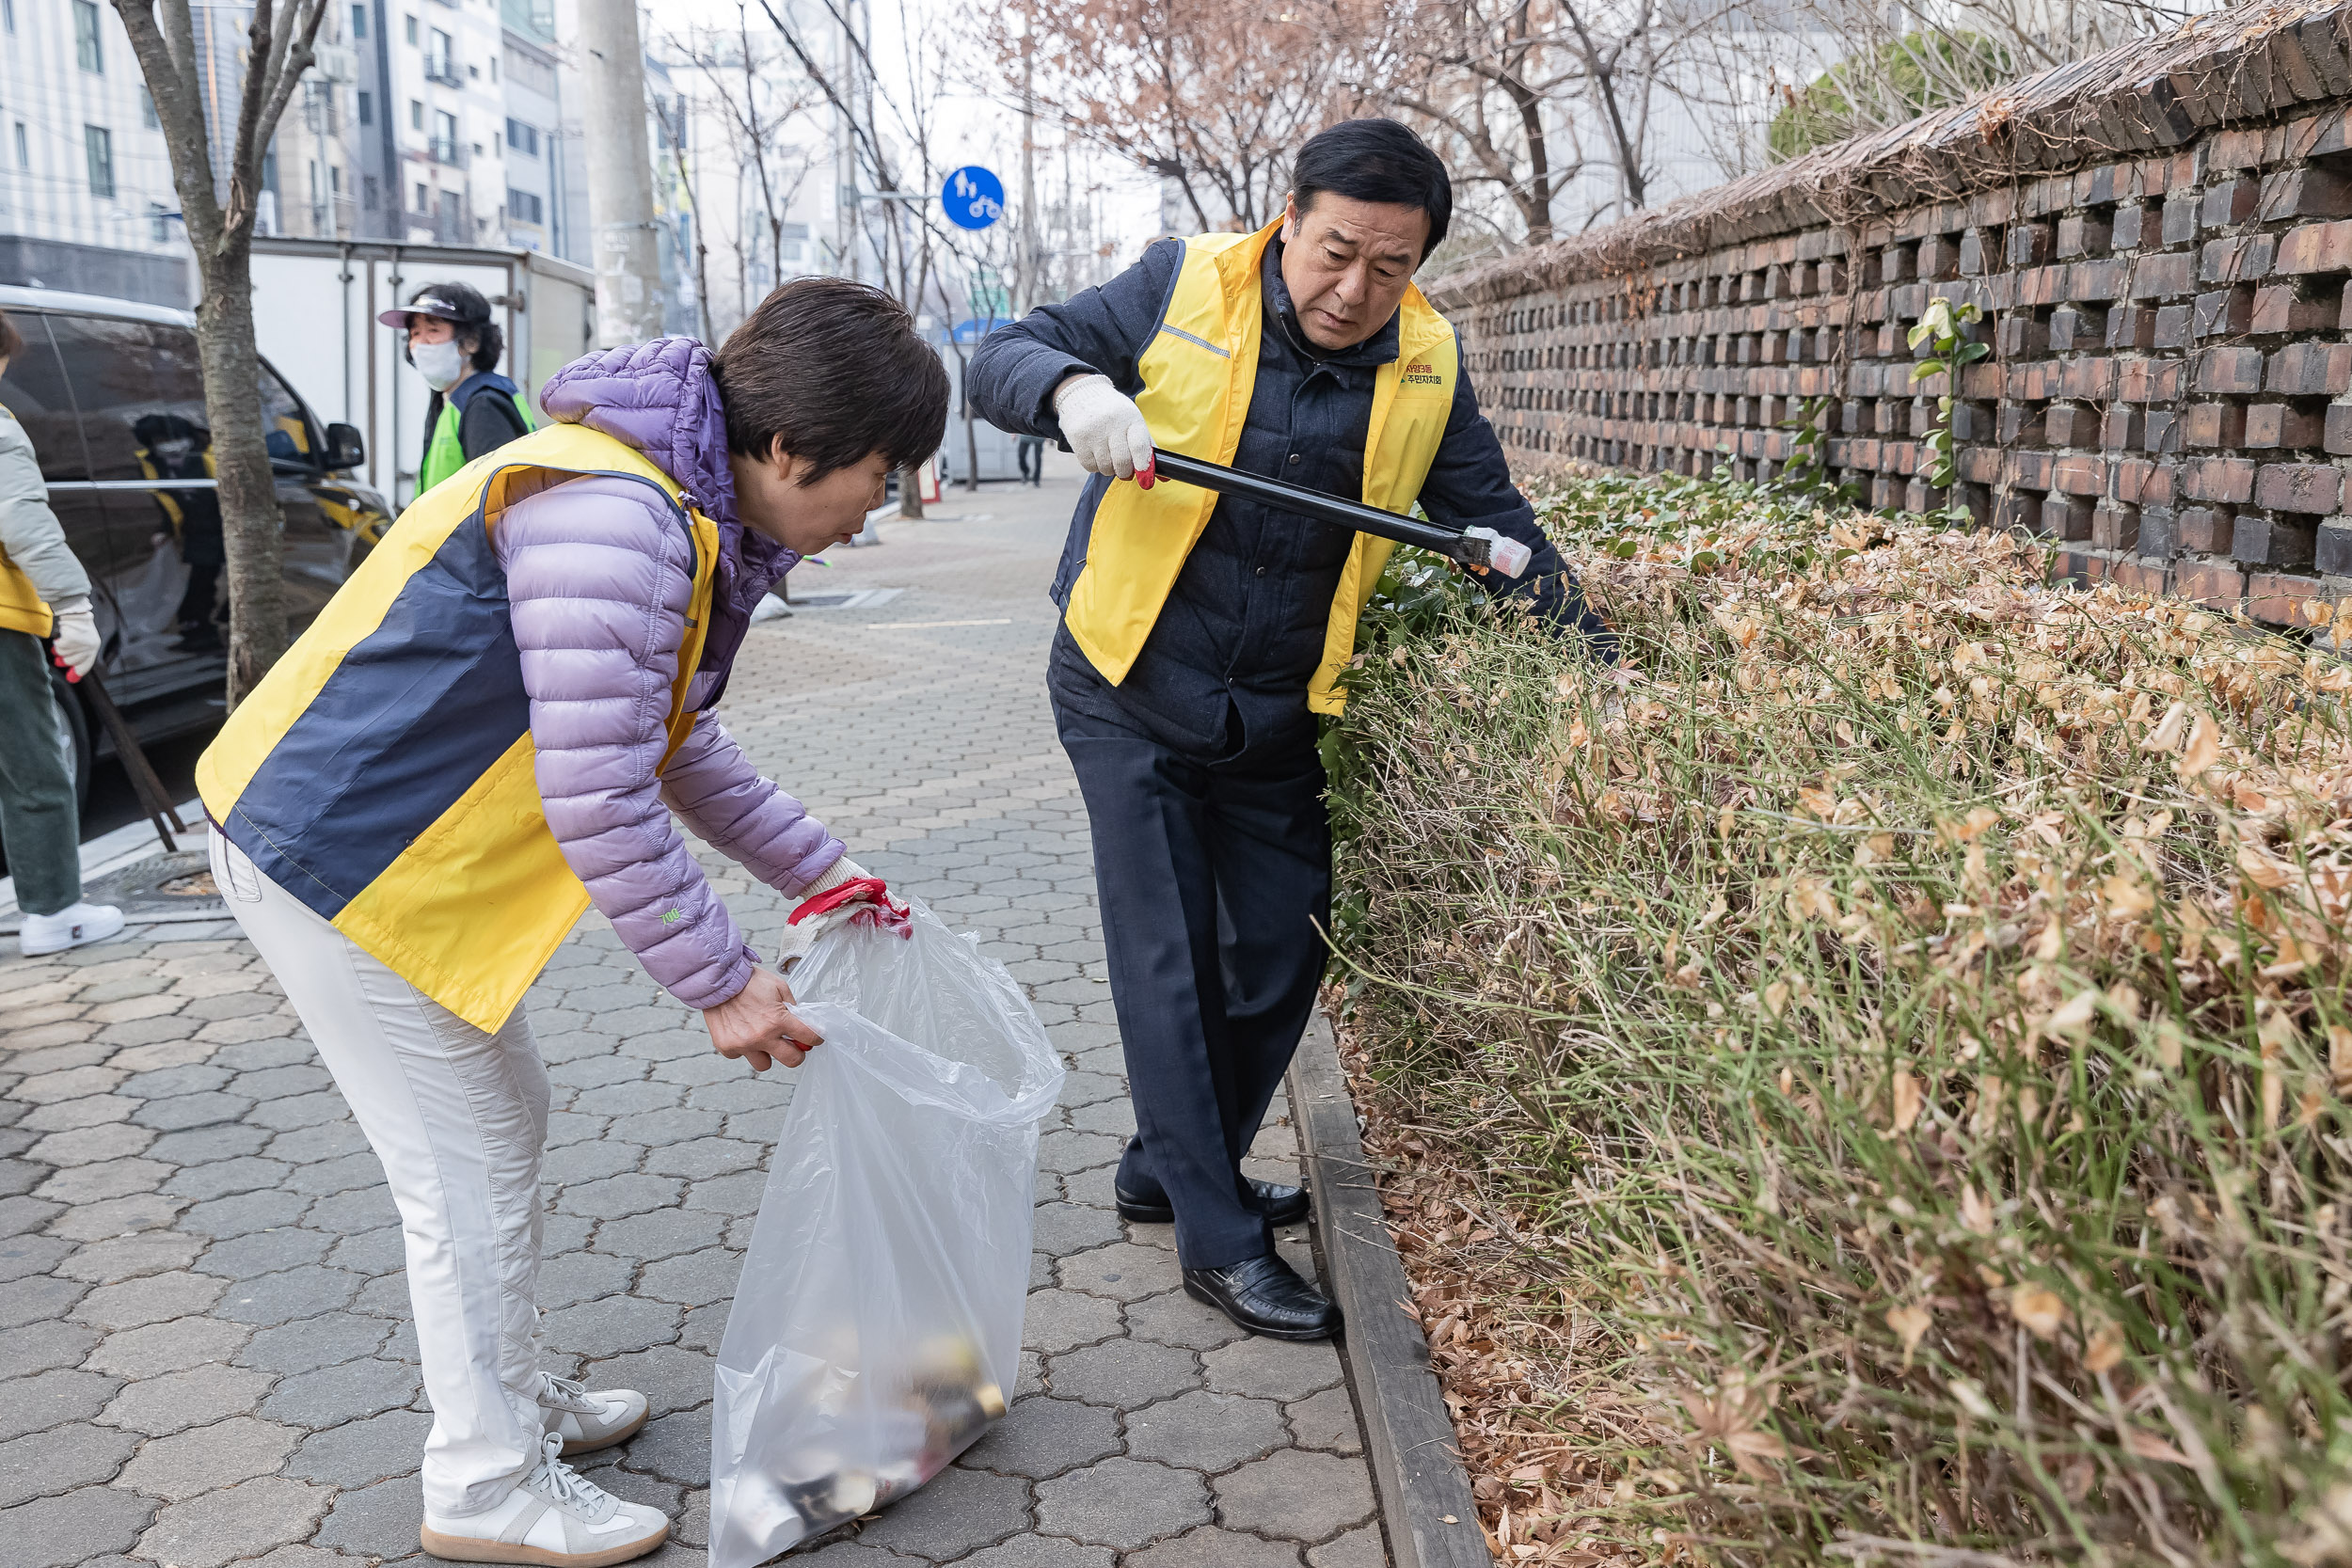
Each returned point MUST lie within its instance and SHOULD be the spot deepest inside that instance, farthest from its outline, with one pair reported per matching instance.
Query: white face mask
(442, 364)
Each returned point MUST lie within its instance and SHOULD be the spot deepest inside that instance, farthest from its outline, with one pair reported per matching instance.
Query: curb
(1409, 1435)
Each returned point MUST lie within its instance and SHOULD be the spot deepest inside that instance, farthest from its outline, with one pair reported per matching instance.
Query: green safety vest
(446, 455)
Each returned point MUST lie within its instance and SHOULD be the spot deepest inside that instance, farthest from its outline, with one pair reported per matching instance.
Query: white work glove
(1105, 429)
(871, 906)
(75, 637)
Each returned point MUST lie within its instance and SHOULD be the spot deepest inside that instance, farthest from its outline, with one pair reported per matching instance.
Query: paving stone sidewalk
(205, 1349)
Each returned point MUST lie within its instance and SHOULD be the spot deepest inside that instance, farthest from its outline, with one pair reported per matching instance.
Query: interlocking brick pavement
(205, 1351)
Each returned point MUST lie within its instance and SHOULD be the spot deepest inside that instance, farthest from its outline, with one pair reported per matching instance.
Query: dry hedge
(1867, 1080)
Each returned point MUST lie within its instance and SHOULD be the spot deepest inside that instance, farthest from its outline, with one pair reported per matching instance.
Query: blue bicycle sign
(973, 197)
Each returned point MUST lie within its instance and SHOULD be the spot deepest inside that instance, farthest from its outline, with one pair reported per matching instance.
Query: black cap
(461, 302)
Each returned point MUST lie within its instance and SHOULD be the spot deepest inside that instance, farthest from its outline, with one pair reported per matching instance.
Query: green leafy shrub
(1900, 80)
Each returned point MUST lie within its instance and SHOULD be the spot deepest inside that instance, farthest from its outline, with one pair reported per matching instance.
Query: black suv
(113, 396)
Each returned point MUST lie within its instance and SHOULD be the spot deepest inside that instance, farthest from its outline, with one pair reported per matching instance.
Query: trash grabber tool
(143, 781)
(1478, 546)
(1473, 547)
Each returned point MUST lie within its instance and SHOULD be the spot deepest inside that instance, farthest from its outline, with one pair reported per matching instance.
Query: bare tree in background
(1622, 53)
(221, 232)
(1213, 95)
(670, 114)
(1535, 101)
(897, 225)
(1481, 77)
(1781, 77)
(741, 75)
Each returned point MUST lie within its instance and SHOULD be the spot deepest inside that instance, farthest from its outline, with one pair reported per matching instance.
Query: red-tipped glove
(845, 895)
(75, 637)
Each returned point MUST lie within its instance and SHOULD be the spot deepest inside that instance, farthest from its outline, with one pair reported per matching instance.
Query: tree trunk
(911, 490)
(1535, 204)
(252, 527)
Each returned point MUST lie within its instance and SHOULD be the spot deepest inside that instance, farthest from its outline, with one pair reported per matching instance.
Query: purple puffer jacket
(599, 575)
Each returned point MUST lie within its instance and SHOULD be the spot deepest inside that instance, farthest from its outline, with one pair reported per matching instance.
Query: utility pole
(1025, 276)
(849, 223)
(620, 176)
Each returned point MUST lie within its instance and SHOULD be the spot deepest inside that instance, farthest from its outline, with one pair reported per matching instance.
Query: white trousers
(460, 1118)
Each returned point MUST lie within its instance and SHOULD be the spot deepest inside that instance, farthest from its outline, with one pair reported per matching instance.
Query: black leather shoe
(1279, 1204)
(1266, 1296)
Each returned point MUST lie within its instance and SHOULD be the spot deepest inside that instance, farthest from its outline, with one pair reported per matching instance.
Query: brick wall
(2169, 394)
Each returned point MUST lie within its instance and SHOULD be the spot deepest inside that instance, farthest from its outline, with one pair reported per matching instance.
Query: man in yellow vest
(1201, 635)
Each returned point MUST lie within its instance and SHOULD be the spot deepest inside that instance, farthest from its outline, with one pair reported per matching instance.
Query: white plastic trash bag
(876, 1331)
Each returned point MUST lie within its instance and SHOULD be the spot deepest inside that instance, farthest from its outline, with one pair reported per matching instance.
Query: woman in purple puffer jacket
(492, 726)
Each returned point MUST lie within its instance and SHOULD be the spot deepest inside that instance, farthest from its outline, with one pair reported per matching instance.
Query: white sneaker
(556, 1517)
(590, 1419)
(70, 927)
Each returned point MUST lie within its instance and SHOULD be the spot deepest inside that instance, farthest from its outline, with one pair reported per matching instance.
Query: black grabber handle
(1469, 550)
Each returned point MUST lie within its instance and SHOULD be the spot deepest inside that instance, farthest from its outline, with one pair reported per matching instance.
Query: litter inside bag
(876, 1330)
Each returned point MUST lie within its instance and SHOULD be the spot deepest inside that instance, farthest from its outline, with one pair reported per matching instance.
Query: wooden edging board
(1416, 1467)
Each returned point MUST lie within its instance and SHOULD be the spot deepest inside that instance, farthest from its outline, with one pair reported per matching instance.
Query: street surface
(205, 1351)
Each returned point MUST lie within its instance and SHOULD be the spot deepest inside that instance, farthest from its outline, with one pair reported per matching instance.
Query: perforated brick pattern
(2167, 396)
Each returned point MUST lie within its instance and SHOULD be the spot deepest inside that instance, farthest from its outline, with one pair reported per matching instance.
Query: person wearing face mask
(1201, 636)
(491, 726)
(455, 347)
(44, 593)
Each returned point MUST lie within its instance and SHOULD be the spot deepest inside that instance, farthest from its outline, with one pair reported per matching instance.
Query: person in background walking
(1201, 635)
(1029, 451)
(455, 347)
(44, 593)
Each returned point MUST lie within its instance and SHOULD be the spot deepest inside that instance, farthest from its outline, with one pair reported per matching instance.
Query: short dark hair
(11, 341)
(490, 343)
(1375, 160)
(837, 371)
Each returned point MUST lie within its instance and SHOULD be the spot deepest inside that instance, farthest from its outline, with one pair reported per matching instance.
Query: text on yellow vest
(382, 771)
(1197, 371)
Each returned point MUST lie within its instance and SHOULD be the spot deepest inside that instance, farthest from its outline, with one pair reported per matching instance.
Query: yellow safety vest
(382, 770)
(1198, 373)
(21, 607)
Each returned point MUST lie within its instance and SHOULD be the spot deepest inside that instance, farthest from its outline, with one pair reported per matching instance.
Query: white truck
(315, 308)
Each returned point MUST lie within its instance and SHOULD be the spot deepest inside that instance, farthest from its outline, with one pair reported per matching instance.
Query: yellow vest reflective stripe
(382, 770)
(1198, 372)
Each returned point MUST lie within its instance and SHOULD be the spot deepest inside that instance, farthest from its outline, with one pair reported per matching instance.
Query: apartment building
(321, 181)
(422, 121)
(449, 120)
(754, 142)
(534, 150)
(86, 193)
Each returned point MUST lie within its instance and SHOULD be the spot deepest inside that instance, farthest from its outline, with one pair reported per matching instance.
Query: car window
(34, 391)
(283, 425)
(112, 368)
